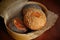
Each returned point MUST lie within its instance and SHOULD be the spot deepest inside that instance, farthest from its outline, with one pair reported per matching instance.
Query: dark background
(51, 34)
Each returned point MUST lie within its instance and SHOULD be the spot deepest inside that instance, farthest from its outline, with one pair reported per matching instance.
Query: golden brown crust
(34, 19)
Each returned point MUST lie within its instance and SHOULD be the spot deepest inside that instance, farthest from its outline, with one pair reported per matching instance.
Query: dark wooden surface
(51, 34)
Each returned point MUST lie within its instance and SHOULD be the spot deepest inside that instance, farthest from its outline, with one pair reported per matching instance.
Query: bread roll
(19, 24)
(34, 18)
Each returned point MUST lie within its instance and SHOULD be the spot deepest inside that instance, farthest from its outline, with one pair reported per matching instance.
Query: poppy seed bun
(34, 18)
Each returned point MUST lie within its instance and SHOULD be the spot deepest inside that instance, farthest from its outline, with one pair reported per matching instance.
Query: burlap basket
(14, 9)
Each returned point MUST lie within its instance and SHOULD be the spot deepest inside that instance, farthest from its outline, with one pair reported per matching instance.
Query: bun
(19, 25)
(34, 19)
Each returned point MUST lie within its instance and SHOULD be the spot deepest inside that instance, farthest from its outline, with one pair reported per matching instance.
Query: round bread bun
(34, 18)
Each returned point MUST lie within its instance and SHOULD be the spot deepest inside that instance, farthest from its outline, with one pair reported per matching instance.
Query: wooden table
(51, 34)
